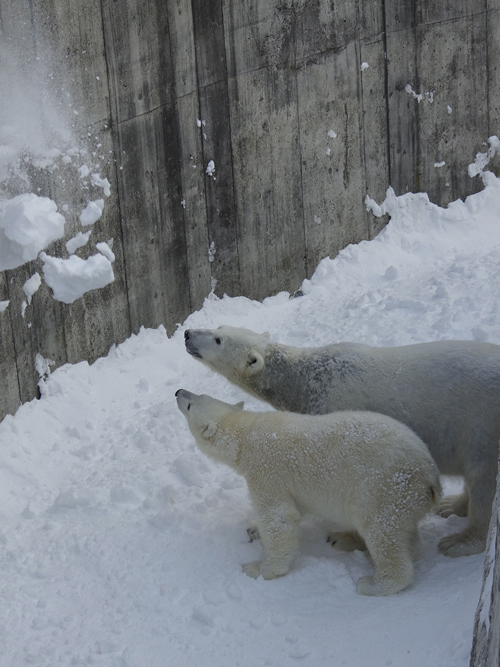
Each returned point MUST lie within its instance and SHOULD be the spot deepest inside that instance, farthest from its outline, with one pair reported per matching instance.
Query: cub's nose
(186, 334)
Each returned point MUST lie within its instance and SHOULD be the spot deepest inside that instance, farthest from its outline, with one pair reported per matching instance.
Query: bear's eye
(218, 341)
(189, 406)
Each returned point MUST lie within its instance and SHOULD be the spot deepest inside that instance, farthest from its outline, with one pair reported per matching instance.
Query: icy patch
(28, 224)
(4, 305)
(72, 278)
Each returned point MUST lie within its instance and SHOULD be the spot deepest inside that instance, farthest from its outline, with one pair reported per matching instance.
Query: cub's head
(203, 414)
(238, 354)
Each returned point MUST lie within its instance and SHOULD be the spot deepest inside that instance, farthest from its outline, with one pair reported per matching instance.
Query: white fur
(448, 392)
(365, 473)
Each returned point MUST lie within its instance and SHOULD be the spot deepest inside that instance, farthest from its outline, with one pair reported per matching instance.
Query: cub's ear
(255, 362)
(210, 430)
(239, 406)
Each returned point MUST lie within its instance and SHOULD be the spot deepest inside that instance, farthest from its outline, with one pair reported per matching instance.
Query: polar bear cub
(363, 472)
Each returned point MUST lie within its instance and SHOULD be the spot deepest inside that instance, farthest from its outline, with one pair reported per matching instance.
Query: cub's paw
(453, 505)
(462, 544)
(346, 541)
(253, 533)
(253, 569)
(374, 587)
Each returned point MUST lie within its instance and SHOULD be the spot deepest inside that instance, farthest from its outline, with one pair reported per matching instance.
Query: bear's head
(238, 354)
(203, 414)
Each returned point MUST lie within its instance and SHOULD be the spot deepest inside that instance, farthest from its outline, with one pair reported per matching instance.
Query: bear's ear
(210, 430)
(239, 406)
(255, 362)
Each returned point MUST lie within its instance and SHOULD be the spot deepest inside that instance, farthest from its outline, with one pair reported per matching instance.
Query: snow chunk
(439, 164)
(102, 183)
(482, 159)
(332, 134)
(71, 278)
(211, 252)
(364, 66)
(429, 97)
(31, 286)
(105, 250)
(77, 241)
(84, 171)
(92, 212)
(211, 168)
(3, 305)
(28, 224)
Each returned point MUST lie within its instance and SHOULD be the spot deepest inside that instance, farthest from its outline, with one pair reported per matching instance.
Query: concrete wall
(486, 643)
(269, 79)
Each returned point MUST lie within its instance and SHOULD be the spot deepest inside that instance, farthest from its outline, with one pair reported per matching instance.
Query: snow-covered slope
(121, 544)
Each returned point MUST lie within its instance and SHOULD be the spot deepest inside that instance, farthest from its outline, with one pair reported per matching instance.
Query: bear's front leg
(278, 528)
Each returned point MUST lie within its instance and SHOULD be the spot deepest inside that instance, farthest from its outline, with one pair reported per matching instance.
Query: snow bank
(28, 224)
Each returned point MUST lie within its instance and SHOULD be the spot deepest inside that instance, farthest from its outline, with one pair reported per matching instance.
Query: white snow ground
(122, 544)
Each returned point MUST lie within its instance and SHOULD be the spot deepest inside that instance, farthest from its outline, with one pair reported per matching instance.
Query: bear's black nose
(186, 334)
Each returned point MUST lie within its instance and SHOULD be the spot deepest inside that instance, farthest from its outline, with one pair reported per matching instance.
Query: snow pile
(122, 543)
(71, 278)
(28, 224)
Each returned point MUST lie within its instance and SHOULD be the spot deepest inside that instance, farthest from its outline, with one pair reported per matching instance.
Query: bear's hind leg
(481, 486)
(458, 504)
(392, 558)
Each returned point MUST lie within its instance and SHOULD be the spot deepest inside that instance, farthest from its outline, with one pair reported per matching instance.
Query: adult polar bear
(358, 470)
(447, 392)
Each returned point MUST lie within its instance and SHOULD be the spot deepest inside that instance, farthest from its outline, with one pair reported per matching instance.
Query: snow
(92, 212)
(364, 66)
(428, 96)
(31, 286)
(122, 544)
(78, 241)
(71, 278)
(28, 224)
(210, 168)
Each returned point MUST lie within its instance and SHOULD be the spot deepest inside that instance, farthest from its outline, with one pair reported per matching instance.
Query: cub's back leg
(391, 552)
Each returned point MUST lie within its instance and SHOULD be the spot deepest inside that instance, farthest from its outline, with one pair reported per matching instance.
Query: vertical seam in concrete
(236, 212)
(198, 90)
(417, 163)
(369, 225)
(386, 95)
(16, 356)
(115, 162)
(297, 106)
(487, 66)
(176, 106)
